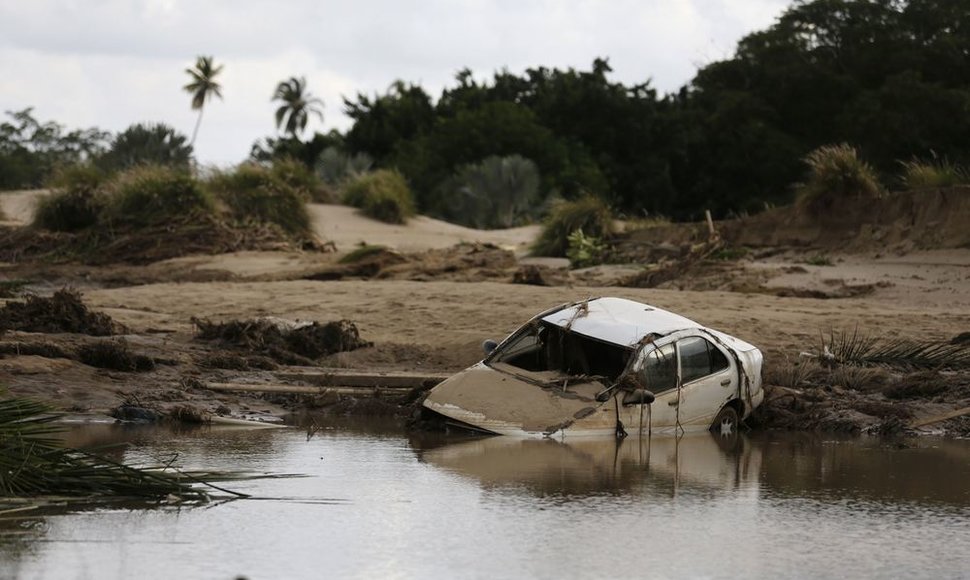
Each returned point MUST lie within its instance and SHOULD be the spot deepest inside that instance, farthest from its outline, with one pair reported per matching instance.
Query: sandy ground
(452, 315)
(18, 206)
(439, 325)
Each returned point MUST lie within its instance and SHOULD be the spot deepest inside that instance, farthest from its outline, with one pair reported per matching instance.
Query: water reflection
(918, 470)
(659, 465)
(427, 506)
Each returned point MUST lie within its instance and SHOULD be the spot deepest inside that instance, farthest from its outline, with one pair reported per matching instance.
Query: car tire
(726, 422)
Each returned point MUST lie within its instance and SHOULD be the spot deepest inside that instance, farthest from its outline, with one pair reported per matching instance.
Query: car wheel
(726, 422)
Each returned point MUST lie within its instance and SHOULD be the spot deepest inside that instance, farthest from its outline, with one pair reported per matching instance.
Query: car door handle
(725, 382)
(673, 403)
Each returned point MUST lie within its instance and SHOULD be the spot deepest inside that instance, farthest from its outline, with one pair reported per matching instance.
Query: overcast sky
(110, 63)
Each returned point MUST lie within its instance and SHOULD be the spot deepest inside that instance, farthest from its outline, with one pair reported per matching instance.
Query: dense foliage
(31, 151)
(147, 144)
(891, 78)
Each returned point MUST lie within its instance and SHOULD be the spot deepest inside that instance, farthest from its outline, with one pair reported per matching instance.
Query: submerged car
(605, 366)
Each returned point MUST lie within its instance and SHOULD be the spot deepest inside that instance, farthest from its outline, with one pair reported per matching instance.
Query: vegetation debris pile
(62, 312)
(284, 342)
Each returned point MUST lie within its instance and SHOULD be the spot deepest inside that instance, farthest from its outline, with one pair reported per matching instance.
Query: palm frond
(860, 349)
(33, 463)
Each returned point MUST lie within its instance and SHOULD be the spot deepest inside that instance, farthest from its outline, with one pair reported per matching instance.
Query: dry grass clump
(114, 355)
(302, 179)
(932, 174)
(362, 253)
(152, 194)
(276, 195)
(836, 173)
(383, 195)
(920, 385)
(151, 213)
(76, 201)
(189, 414)
(62, 312)
(590, 214)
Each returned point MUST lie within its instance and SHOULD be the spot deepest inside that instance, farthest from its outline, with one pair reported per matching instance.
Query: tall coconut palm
(298, 105)
(202, 87)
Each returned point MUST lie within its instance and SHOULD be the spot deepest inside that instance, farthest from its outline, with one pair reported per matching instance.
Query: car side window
(699, 358)
(659, 370)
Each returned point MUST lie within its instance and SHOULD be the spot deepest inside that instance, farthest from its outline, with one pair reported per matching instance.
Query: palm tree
(298, 104)
(202, 87)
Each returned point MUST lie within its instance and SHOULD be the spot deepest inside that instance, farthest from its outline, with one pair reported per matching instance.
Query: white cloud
(113, 62)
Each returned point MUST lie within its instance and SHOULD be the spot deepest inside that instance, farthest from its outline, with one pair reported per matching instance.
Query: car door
(708, 379)
(657, 371)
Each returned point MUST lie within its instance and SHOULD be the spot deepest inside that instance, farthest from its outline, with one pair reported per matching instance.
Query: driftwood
(939, 418)
(307, 390)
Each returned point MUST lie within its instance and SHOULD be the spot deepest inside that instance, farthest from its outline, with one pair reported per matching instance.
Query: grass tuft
(151, 195)
(932, 174)
(836, 173)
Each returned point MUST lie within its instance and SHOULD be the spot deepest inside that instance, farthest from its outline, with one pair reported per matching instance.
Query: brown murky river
(374, 503)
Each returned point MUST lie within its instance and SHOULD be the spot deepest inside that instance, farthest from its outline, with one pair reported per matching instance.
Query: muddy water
(376, 504)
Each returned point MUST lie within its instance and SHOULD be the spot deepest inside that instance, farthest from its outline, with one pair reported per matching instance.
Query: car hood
(494, 399)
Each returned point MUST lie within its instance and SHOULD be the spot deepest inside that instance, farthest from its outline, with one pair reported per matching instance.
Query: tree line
(891, 78)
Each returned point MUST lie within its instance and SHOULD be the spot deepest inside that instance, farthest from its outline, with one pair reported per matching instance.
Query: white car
(605, 366)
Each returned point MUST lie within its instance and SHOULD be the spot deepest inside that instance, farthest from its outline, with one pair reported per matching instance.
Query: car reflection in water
(588, 466)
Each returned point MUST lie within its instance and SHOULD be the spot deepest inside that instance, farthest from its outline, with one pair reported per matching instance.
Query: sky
(111, 63)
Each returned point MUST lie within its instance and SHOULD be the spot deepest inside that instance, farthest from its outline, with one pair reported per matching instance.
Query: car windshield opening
(547, 347)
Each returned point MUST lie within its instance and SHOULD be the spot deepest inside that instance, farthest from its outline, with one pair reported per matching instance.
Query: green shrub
(585, 250)
(383, 195)
(152, 194)
(335, 167)
(498, 192)
(930, 174)
(76, 201)
(835, 173)
(589, 213)
(254, 192)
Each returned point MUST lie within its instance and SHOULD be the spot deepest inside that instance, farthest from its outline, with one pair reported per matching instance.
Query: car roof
(618, 320)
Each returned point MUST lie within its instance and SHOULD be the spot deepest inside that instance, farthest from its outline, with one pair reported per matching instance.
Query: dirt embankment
(900, 222)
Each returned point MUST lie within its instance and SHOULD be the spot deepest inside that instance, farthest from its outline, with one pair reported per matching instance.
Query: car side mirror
(488, 346)
(638, 397)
